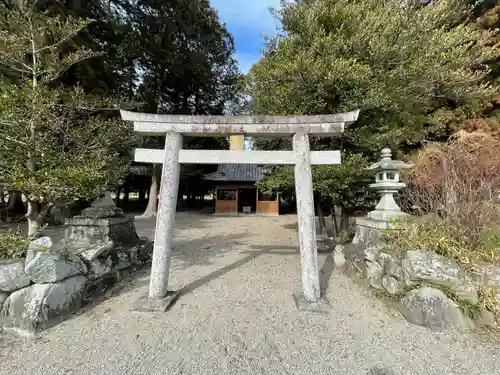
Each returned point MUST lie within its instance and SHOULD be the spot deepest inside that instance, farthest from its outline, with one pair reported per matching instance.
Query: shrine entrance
(247, 200)
(173, 127)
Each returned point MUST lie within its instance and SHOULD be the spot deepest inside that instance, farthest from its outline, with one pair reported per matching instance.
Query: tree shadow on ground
(203, 251)
(145, 226)
(204, 255)
(325, 272)
(380, 371)
(140, 278)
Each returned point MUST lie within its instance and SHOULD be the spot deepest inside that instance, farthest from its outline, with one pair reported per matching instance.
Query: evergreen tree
(55, 142)
(406, 66)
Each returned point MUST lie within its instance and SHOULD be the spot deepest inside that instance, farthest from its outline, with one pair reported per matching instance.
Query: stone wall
(429, 290)
(53, 281)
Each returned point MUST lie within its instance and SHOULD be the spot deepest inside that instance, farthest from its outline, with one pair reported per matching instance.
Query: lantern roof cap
(386, 163)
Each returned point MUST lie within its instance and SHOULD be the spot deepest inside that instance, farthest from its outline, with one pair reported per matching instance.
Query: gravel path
(237, 316)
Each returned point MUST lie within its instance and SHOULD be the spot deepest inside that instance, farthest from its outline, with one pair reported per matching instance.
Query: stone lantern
(387, 183)
(387, 171)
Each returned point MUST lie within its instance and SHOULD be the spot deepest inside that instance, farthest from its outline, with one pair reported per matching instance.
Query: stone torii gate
(174, 126)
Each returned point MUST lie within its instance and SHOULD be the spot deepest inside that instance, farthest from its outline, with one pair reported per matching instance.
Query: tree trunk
(335, 224)
(118, 193)
(344, 221)
(36, 215)
(152, 195)
(321, 217)
(34, 218)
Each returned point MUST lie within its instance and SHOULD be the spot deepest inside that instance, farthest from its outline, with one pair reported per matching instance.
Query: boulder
(325, 244)
(374, 273)
(431, 308)
(391, 285)
(371, 253)
(354, 252)
(356, 268)
(426, 266)
(121, 259)
(146, 249)
(41, 244)
(485, 318)
(41, 306)
(12, 275)
(392, 266)
(491, 276)
(98, 268)
(96, 250)
(122, 265)
(134, 254)
(48, 267)
(3, 298)
(123, 255)
(338, 256)
(368, 232)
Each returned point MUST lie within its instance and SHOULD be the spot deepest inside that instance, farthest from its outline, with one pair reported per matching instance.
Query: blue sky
(248, 21)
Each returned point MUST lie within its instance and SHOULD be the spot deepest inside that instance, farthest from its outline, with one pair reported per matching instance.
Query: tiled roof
(237, 172)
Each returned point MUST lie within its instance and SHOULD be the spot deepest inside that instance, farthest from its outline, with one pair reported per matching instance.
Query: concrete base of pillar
(144, 304)
(320, 306)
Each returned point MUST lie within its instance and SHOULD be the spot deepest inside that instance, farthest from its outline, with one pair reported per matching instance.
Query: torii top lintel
(317, 125)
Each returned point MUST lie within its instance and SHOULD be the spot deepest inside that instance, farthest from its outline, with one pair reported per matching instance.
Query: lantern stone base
(386, 215)
(369, 231)
(120, 230)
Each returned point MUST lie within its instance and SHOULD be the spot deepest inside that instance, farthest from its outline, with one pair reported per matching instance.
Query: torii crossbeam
(174, 126)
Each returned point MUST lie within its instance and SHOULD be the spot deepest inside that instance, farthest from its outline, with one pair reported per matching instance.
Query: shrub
(13, 244)
(439, 234)
(455, 187)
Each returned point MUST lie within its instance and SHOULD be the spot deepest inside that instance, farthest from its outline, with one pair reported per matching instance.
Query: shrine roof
(237, 172)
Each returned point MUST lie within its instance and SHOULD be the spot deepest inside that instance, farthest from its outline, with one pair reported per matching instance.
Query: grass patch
(470, 310)
(488, 300)
(13, 244)
(434, 233)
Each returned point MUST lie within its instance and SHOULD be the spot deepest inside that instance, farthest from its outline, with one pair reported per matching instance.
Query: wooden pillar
(237, 199)
(162, 253)
(216, 196)
(305, 212)
(257, 201)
